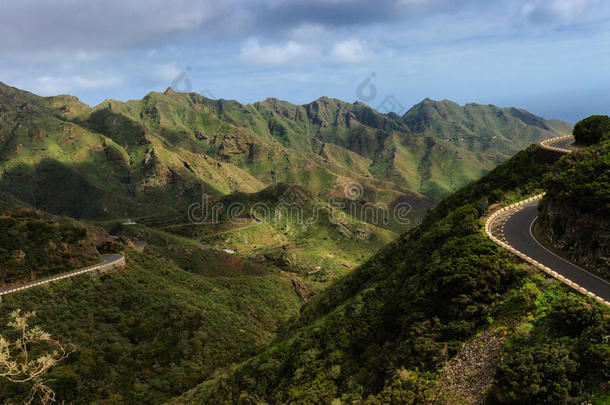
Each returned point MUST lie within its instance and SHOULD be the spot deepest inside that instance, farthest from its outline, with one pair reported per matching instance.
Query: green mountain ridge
(163, 150)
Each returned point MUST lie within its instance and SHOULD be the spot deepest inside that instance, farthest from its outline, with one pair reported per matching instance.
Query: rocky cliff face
(581, 237)
(575, 214)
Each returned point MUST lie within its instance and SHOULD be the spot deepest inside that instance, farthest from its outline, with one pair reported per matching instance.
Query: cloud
(288, 53)
(309, 32)
(349, 13)
(292, 52)
(349, 51)
(53, 85)
(56, 26)
(164, 73)
(553, 11)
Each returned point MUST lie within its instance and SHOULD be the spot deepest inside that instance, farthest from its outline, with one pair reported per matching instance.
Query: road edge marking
(118, 262)
(545, 269)
(546, 144)
(559, 257)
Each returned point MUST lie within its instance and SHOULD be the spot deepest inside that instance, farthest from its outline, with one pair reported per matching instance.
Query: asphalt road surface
(566, 144)
(515, 228)
(110, 260)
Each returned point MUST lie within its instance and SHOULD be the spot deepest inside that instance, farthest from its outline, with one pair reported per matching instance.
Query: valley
(277, 253)
(346, 202)
(157, 157)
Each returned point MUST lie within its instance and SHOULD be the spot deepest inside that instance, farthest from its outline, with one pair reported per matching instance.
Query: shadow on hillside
(52, 186)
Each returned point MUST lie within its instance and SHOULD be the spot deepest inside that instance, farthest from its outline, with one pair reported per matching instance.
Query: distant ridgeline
(135, 158)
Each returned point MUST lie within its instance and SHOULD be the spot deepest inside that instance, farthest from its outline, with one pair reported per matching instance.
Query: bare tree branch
(16, 363)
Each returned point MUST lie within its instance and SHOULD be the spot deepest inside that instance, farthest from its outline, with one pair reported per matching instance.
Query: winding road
(511, 228)
(562, 144)
(110, 261)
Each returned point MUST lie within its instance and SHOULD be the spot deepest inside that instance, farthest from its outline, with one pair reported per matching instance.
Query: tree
(29, 356)
(591, 130)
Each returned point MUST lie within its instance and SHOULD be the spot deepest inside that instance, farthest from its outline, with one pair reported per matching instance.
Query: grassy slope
(298, 232)
(435, 148)
(157, 155)
(58, 165)
(123, 156)
(175, 315)
(384, 332)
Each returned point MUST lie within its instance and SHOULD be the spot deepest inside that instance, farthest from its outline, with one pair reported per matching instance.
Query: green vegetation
(592, 130)
(575, 212)
(384, 332)
(142, 155)
(422, 298)
(187, 322)
(286, 226)
(33, 247)
(582, 180)
(176, 314)
(560, 354)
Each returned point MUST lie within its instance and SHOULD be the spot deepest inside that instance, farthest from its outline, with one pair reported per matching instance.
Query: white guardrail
(98, 267)
(547, 144)
(528, 259)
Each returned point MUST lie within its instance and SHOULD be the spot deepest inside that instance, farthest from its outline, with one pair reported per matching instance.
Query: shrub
(536, 375)
(591, 130)
(571, 315)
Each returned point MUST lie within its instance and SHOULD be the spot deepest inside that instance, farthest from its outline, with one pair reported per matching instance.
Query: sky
(551, 57)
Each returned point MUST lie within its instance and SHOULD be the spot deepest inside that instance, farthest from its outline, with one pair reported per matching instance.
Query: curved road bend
(110, 261)
(566, 144)
(563, 144)
(514, 227)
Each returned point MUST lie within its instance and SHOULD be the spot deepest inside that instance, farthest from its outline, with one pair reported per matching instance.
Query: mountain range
(160, 153)
(257, 308)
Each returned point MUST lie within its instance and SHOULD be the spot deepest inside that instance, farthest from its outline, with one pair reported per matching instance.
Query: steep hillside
(125, 158)
(286, 226)
(404, 327)
(435, 148)
(34, 244)
(176, 314)
(575, 213)
(53, 156)
(483, 128)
